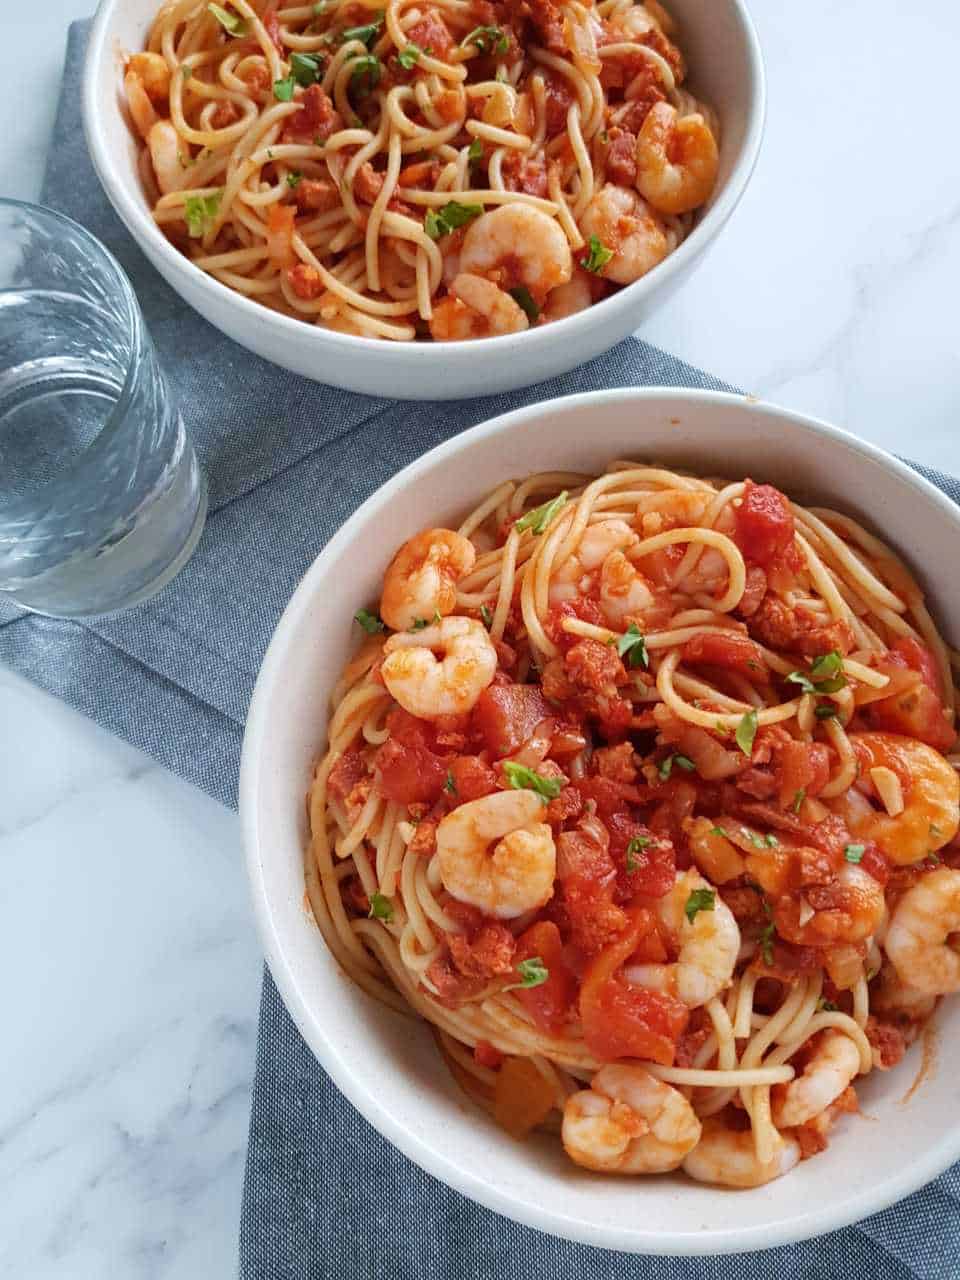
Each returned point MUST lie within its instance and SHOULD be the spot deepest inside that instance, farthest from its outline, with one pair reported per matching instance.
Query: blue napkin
(287, 462)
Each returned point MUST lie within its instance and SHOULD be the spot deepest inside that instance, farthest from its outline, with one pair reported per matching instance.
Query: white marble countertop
(132, 967)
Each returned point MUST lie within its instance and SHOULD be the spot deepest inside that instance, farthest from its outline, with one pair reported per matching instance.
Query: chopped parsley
(828, 664)
(524, 300)
(200, 212)
(475, 151)
(798, 800)
(232, 23)
(320, 7)
(666, 766)
(598, 257)
(522, 778)
(450, 785)
(854, 852)
(746, 732)
(283, 89)
(633, 647)
(825, 712)
(369, 621)
(409, 56)
(365, 34)
(306, 68)
(719, 831)
(540, 517)
(827, 1006)
(533, 973)
(635, 846)
(767, 935)
(488, 40)
(440, 222)
(294, 178)
(700, 900)
(420, 623)
(366, 74)
(381, 908)
(487, 616)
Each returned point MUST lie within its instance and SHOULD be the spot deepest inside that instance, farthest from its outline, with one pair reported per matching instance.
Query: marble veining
(132, 970)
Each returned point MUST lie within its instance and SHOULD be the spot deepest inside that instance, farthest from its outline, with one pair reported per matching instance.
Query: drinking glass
(101, 497)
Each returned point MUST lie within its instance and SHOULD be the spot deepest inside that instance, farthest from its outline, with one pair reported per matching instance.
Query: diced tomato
(550, 1002)
(649, 869)
(350, 769)
(272, 24)
(486, 1055)
(764, 523)
(280, 225)
(801, 767)
(472, 778)
(485, 953)
(582, 607)
(559, 97)
(409, 775)
(625, 1021)
(431, 32)
(507, 714)
(919, 658)
(317, 117)
(734, 651)
(874, 862)
(916, 712)
(609, 796)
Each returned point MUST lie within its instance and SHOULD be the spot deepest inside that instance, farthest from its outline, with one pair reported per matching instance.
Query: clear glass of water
(101, 497)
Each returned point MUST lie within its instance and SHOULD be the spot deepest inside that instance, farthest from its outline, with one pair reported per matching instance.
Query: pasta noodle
(603, 807)
(349, 164)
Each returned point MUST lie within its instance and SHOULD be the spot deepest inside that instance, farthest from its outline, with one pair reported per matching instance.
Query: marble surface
(129, 1009)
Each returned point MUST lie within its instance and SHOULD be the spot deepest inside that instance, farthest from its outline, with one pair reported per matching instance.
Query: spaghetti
(459, 169)
(644, 806)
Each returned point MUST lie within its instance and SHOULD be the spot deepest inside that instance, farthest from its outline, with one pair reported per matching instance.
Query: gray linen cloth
(287, 462)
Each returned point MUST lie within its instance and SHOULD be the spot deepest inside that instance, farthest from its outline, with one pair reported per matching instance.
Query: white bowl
(393, 1074)
(726, 69)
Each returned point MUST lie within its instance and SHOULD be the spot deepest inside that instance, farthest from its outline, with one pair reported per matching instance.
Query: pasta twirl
(636, 791)
(453, 170)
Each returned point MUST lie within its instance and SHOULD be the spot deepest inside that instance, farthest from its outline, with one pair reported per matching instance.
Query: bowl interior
(392, 1073)
(725, 69)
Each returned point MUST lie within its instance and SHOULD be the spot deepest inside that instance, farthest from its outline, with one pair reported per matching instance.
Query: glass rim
(134, 326)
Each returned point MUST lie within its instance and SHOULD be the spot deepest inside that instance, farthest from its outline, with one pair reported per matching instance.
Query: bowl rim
(144, 229)
(825, 1217)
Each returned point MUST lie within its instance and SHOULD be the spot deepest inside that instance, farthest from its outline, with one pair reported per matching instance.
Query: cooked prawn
(153, 73)
(429, 688)
(628, 1122)
(598, 541)
(931, 812)
(849, 910)
(515, 244)
(625, 223)
(476, 308)
(834, 1063)
(518, 874)
(918, 940)
(728, 1157)
(677, 160)
(891, 997)
(164, 145)
(708, 944)
(142, 110)
(421, 581)
(567, 299)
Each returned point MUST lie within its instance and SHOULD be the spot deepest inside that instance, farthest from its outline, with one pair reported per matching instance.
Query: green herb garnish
(854, 852)
(825, 712)
(306, 68)
(369, 621)
(522, 778)
(666, 766)
(200, 212)
(487, 616)
(524, 300)
(633, 647)
(719, 831)
(700, 900)
(767, 935)
(828, 664)
(294, 178)
(634, 847)
(488, 40)
(381, 908)
(283, 89)
(409, 56)
(366, 74)
(798, 800)
(598, 257)
(475, 151)
(540, 517)
(746, 732)
(365, 34)
(533, 973)
(440, 222)
(450, 785)
(232, 23)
